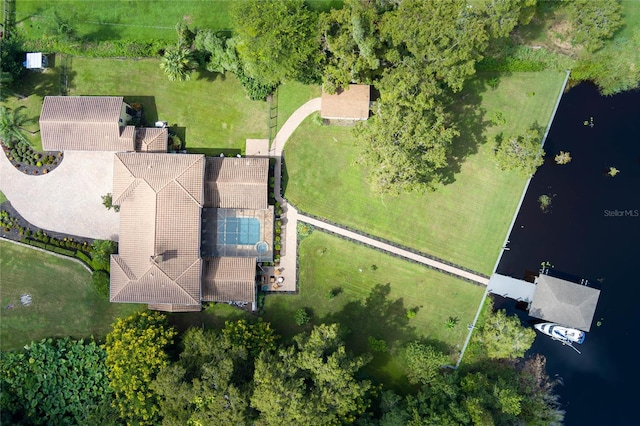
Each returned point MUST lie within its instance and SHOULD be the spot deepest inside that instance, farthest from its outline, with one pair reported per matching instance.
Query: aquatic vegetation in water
(613, 171)
(545, 202)
(563, 158)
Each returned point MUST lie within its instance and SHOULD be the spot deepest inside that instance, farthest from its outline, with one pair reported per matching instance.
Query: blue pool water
(239, 231)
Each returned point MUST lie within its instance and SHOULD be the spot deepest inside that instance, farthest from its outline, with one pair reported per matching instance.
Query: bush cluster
(101, 49)
(21, 152)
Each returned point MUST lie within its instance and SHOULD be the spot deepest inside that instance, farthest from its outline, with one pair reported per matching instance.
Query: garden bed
(14, 227)
(31, 162)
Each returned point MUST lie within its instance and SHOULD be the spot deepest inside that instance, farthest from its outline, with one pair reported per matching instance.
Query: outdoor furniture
(281, 279)
(272, 279)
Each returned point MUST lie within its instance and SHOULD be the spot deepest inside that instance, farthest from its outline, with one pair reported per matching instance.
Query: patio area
(276, 278)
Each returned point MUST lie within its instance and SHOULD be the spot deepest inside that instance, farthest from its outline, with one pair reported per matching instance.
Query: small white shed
(35, 61)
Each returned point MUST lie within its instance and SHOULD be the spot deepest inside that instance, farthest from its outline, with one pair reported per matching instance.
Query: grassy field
(121, 19)
(3, 197)
(64, 303)
(464, 222)
(124, 19)
(373, 301)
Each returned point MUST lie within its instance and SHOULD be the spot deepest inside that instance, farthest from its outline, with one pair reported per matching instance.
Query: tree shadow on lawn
(471, 123)
(203, 74)
(103, 32)
(376, 316)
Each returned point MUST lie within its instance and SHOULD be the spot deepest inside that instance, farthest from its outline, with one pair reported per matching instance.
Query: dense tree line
(245, 374)
(418, 54)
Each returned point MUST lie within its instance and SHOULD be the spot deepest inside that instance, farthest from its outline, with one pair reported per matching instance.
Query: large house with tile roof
(192, 228)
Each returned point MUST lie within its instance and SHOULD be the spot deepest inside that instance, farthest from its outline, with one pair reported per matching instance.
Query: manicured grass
(211, 112)
(212, 109)
(3, 197)
(121, 19)
(374, 301)
(464, 222)
(291, 96)
(64, 303)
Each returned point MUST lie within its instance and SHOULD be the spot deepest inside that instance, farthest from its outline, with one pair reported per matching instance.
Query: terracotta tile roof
(160, 198)
(169, 307)
(152, 139)
(229, 279)
(84, 123)
(234, 183)
(350, 104)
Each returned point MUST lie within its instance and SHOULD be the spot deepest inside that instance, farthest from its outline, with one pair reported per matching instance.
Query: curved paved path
(291, 216)
(68, 199)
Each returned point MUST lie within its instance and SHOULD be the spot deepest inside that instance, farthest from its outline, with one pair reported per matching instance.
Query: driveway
(67, 199)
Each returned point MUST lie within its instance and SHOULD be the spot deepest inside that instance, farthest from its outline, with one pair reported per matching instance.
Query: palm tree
(177, 63)
(11, 122)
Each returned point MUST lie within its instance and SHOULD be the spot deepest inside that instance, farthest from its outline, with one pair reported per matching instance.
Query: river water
(591, 231)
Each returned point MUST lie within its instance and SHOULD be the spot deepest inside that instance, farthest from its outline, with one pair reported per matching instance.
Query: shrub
(301, 317)
(84, 258)
(377, 345)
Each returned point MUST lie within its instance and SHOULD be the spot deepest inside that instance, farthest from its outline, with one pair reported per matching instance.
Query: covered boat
(559, 332)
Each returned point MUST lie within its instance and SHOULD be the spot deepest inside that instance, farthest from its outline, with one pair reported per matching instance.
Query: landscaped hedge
(510, 65)
(101, 49)
(49, 247)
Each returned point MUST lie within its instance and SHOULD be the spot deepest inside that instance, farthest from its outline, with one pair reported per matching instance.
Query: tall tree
(594, 21)
(522, 152)
(11, 125)
(406, 145)
(11, 57)
(53, 382)
(135, 354)
(423, 363)
(504, 336)
(276, 40)
(311, 382)
(202, 386)
(351, 42)
(177, 63)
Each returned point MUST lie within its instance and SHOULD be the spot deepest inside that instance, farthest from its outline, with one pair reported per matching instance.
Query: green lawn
(464, 222)
(121, 19)
(3, 197)
(64, 303)
(375, 302)
(291, 96)
(212, 112)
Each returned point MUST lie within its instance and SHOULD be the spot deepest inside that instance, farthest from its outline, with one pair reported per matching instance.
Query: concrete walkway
(291, 216)
(394, 250)
(289, 243)
(67, 199)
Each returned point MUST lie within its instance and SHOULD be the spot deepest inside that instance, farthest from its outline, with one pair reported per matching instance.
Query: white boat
(558, 332)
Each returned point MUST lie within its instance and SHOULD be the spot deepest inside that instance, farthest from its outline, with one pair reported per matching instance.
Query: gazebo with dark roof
(564, 302)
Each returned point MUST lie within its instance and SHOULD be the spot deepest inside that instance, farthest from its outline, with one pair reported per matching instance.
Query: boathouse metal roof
(564, 302)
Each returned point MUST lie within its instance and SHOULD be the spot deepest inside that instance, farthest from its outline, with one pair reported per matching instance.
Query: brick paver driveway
(68, 199)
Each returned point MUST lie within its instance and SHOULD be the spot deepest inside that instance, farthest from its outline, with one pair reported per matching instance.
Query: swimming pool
(238, 231)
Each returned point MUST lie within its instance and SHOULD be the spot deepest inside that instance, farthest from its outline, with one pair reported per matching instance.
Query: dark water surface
(592, 231)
